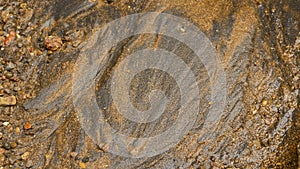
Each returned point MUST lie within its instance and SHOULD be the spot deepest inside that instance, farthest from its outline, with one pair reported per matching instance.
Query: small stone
(8, 101)
(73, 154)
(10, 38)
(20, 45)
(17, 130)
(7, 91)
(17, 88)
(40, 39)
(85, 159)
(9, 75)
(76, 43)
(264, 102)
(6, 145)
(257, 143)
(181, 30)
(2, 157)
(10, 66)
(27, 126)
(25, 155)
(82, 165)
(12, 159)
(2, 150)
(23, 5)
(53, 43)
(29, 163)
(13, 145)
(6, 123)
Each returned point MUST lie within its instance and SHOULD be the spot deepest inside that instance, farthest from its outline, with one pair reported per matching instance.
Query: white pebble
(6, 123)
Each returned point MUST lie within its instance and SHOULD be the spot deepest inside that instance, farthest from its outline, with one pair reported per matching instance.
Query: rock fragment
(25, 156)
(8, 101)
(53, 43)
(27, 126)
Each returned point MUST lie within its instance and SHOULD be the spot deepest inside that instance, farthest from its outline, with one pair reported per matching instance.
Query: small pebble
(6, 145)
(29, 163)
(53, 43)
(73, 154)
(182, 30)
(23, 5)
(20, 45)
(7, 91)
(10, 66)
(264, 102)
(13, 145)
(17, 89)
(25, 155)
(2, 150)
(6, 123)
(2, 157)
(12, 159)
(17, 130)
(8, 101)
(85, 159)
(27, 126)
(82, 165)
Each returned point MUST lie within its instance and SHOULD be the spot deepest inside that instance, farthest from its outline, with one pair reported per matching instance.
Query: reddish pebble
(53, 43)
(27, 126)
(10, 38)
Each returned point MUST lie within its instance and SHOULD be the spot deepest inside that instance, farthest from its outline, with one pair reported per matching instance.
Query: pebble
(2, 150)
(257, 143)
(29, 163)
(25, 155)
(27, 126)
(73, 154)
(17, 130)
(82, 165)
(6, 145)
(6, 123)
(181, 30)
(7, 91)
(17, 89)
(23, 5)
(53, 43)
(8, 101)
(10, 38)
(13, 145)
(264, 102)
(2, 157)
(12, 159)
(85, 159)
(20, 45)
(10, 66)
(8, 74)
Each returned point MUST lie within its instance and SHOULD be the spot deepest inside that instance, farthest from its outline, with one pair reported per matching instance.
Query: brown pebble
(73, 154)
(2, 150)
(23, 5)
(27, 126)
(53, 43)
(10, 38)
(17, 130)
(13, 145)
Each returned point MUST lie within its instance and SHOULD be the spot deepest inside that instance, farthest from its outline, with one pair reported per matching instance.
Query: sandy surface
(258, 43)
